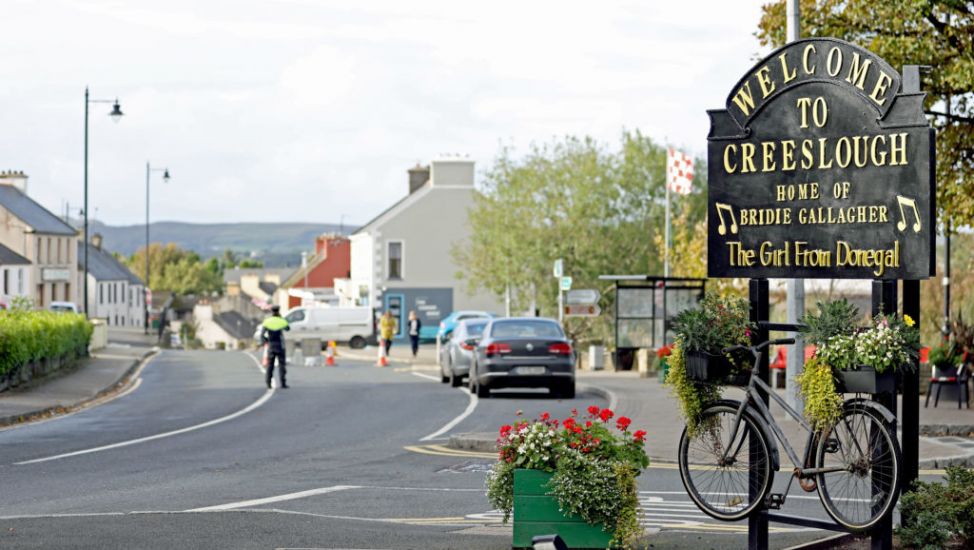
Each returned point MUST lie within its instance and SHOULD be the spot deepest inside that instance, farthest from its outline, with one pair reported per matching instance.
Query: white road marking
(471, 405)
(426, 376)
(253, 406)
(278, 498)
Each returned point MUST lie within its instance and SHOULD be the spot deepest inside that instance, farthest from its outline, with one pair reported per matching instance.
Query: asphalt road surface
(199, 454)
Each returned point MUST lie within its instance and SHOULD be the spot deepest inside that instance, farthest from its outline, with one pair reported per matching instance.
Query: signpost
(582, 310)
(821, 165)
(582, 302)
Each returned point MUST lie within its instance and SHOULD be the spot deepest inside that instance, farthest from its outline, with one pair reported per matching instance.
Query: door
(394, 303)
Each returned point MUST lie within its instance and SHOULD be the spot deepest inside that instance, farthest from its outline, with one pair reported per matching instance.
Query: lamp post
(116, 115)
(165, 178)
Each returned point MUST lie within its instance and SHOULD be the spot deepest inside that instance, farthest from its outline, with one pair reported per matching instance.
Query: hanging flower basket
(715, 369)
(865, 380)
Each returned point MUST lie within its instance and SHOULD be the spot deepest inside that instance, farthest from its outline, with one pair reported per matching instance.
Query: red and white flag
(679, 172)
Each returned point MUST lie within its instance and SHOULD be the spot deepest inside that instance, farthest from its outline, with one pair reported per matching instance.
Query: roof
(267, 287)
(9, 257)
(398, 205)
(235, 324)
(234, 275)
(40, 219)
(103, 266)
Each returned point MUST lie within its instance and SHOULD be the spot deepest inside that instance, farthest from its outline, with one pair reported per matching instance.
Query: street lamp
(116, 115)
(165, 178)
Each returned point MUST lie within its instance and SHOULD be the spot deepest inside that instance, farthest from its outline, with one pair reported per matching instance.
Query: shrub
(716, 323)
(823, 405)
(934, 512)
(28, 336)
(834, 318)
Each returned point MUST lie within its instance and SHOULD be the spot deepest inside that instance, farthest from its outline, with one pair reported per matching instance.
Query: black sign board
(820, 166)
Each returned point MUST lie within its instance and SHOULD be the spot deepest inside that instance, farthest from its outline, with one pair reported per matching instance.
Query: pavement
(95, 378)
(651, 406)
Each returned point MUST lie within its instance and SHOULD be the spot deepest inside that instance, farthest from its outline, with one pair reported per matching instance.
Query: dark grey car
(457, 353)
(527, 352)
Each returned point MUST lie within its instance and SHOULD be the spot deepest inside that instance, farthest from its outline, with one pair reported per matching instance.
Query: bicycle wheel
(865, 487)
(726, 489)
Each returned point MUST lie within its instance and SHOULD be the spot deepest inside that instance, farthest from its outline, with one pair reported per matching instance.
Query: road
(198, 454)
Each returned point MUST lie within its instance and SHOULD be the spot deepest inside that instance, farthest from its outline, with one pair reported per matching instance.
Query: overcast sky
(307, 110)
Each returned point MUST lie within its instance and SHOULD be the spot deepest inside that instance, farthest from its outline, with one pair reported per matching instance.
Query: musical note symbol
(722, 228)
(912, 203)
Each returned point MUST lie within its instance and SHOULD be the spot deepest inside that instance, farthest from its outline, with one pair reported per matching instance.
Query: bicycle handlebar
(762, 345)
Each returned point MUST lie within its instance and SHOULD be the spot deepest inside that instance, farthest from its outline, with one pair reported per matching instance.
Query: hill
(277, 244)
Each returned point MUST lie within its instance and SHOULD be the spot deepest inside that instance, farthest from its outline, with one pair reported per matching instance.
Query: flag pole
(666, 231)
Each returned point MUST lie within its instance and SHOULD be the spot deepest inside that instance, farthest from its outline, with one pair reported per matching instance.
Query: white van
(342, 324)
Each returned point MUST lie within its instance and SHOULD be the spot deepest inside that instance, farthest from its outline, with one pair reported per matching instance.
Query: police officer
(272, 335)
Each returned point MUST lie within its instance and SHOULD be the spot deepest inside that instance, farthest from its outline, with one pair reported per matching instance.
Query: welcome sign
(820, 166)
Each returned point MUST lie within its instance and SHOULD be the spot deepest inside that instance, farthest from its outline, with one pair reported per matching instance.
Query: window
(58, 250)
(295, 317)
(395, 260)
(49, 259)
(20, 281)
(6, 281)
(101, 293)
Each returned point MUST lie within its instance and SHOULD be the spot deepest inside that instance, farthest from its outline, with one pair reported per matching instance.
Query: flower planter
(707, 367)
(536, 513)
(865, 380)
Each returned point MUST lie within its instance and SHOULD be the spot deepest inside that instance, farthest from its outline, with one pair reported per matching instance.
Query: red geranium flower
(569, 423)
(606, 414)
(593, 410)
(545, 416)
(506, 429)
(623, 423)
(588, 423)
(640, 435)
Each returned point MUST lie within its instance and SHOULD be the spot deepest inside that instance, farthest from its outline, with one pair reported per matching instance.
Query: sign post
(821, 165)
(582, 302)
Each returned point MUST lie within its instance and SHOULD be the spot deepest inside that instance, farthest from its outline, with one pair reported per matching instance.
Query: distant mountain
(277, 244)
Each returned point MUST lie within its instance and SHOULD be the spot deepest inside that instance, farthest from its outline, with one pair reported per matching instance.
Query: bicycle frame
(753, 400)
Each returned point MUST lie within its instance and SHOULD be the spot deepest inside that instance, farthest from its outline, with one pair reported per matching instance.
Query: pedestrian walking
(387, 329)
(272, 335)
(414, 325)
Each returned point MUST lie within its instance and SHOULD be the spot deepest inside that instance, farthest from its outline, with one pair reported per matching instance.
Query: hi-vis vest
(273, 331)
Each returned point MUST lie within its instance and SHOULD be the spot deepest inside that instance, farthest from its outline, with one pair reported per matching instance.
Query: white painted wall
(14, 281)
(118, 302)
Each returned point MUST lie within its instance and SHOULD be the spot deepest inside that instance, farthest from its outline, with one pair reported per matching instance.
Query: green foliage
(715, 324)
(500, 487)
(823, 405)
(247, 263)
(692, 397)
(935, 33)
(888, 343)
(174, 269)
(27, 336)
(934, 512)
(839, 352)
(573, 198)
(834, 318)
(944, 355)
(22, 303)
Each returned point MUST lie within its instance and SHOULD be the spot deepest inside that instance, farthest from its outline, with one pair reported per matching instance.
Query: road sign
(566, 283)
(559, 268)
(583, 296)
(582, 310)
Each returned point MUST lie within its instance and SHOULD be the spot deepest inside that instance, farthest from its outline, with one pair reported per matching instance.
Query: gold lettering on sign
(784, 69)
(834, 54)
(857, 72)
(764, 79)
(809, 68)
(881, 87)
(744, 99)
(879, 258)
(728, 167)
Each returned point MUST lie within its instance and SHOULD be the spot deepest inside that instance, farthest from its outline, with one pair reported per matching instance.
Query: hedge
(29, 336)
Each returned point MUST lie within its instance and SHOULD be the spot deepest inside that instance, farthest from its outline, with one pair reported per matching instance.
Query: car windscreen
(475, 329)
(62, 309)
(526, 329)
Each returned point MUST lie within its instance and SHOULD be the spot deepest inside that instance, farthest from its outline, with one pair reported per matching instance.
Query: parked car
(342, 324)
(63, 307)
(456, 353)
(450, 322)
(523, 352)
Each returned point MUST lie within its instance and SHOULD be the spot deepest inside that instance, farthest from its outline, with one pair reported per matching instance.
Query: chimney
(321, 244)
(96, 240)
(14, 178)
(418, 176)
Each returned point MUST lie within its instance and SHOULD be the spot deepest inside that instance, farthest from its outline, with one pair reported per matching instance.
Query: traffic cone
(383, 360)
(330, 355)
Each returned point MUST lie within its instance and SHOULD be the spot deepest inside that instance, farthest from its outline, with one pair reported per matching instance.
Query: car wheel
(476, 387)
(357, 342)
(455, 380)
(564, 391)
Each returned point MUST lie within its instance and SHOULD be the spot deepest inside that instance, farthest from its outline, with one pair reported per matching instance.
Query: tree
(247, 263)
(573, 199)
(174, 269)
(935, 33)
(229, 259)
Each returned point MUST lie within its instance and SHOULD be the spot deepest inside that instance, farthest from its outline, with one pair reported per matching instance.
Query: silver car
(456, 353)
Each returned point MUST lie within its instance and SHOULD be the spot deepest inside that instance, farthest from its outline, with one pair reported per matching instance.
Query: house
(402, 260)
(47, 242)
(14, 276)
(222, 329)
(314, 282)
(251, 290)
(114, 293)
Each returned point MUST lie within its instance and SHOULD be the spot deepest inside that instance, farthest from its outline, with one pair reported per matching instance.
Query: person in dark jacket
(414, 325)
(272, 335)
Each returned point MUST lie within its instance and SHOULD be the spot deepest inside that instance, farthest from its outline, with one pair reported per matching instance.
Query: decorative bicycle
(728, 464)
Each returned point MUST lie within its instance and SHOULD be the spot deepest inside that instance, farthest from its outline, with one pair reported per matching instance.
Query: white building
(33, 232)
(114, 293)
(14, 276)
(402, 260)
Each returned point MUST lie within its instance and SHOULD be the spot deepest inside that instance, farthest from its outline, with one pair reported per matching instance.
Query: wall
(209, 332)
(120, 307)
(337, 264)
(14, 281)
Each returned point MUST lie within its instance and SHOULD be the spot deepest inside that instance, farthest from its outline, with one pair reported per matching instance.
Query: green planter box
(536, 513)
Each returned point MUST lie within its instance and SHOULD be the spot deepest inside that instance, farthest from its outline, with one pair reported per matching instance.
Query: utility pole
(795, 287)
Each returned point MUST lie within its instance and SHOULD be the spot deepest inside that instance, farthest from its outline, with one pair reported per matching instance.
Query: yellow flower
(909, 320)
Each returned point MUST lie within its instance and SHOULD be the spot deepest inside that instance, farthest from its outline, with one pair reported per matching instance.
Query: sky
(312, 110)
